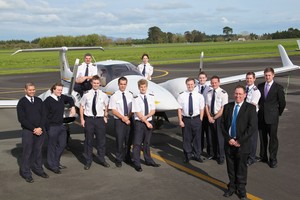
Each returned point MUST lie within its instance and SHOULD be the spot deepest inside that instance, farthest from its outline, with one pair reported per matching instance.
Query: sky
(31, 19)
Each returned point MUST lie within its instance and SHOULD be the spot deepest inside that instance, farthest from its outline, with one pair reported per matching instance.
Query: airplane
(298, 42)
(165, 93)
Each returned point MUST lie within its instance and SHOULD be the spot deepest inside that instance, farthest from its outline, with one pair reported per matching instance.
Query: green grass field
(160, 54)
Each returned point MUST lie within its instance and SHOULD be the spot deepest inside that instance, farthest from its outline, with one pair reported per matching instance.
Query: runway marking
(17, 91)
(189, 171)
(197, 174)
(159, 76)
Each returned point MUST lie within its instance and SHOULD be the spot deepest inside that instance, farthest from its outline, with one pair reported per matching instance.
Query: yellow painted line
(165, 73)
(197, 174)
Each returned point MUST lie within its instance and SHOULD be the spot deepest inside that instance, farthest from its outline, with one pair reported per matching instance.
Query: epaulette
(255, 88)
(130, 92)
(224, 91)
(113, 93)
(210, 90)
(135, 96)
(180, 92)
(151, 94)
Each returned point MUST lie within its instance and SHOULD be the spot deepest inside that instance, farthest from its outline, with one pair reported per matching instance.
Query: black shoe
(128, 161)
(29, 179)
(62, 166)
(250, 162)
(104, 164)
(228, 193)
(199, 160)
(220, 161)
(243, 197)
(186, 160)
(153, 164)
(260, 159)
(118, 164)
(56, 171)
(138, 168)
(273, 163)
(43, 175)
(87, 167)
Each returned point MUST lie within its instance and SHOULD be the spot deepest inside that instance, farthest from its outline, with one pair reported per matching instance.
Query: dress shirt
(148, 70)
(29, 98)
(205, 91)
(221, 98)
(198, 103)
(116, 101)
(138, 105)
(240, 105)
(81, 70)
(87, 102)
(253, 95)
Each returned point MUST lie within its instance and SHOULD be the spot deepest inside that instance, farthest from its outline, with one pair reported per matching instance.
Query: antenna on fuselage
(201, 62)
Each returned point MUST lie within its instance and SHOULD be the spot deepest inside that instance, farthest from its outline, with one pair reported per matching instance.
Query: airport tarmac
(174, 179)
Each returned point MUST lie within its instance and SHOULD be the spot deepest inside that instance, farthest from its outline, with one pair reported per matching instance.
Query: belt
(93, 117)
(191, 117)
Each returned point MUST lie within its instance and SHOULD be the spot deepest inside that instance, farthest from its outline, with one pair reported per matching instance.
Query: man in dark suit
(271, 106)
(238, 123)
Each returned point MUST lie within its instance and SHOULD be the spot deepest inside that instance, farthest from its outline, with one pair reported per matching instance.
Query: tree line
(155, 36)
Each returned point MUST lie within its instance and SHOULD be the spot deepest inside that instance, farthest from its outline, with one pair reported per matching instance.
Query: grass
(160, 54)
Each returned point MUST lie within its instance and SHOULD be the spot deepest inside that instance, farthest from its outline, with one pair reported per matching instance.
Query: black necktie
(87, 71)
(58, 98)
(202, 89)
(247, 90)
(94, 105)
(212, 104)
(190, 105)
(31, 100)
(125, 104)
(146, 105)
(144, 70)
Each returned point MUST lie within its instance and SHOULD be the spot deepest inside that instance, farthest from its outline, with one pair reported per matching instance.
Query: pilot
(252, 96)
(32, 119)
(57, 135)
(120, 103)
(145, 68)
(93, 117)
(143, 107)
(190, 115)
(84, 73)
(215, 100)
(203, 88)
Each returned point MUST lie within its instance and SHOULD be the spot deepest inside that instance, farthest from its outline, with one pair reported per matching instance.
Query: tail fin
(65, 71)
(284, 57)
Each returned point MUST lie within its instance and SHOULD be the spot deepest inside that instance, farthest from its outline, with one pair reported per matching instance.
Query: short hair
(27, 85)
(95, 77)
(215, 77)
(142, 82)
(240, 86)
(145, 55)
(251, 73)
(189, 79)
(87, 54)
(269, 69)
(56, 85)
(202, 73)
(122, 78)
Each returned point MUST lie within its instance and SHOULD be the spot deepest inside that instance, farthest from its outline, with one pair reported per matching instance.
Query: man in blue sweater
(32, 120)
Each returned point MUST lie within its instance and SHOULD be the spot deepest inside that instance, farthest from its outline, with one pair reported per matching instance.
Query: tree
(227, 30)
(155, 35)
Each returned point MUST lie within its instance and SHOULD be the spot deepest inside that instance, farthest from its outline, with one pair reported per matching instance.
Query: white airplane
(298, 42)
(165, 93)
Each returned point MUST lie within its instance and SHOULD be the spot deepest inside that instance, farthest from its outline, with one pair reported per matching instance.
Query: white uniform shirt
(138, 105)
(205, 91)
(116, 101)
(81, 70)
(148, 70)
(87, 102)
(221, 98)
(253, 95)
(198, 103)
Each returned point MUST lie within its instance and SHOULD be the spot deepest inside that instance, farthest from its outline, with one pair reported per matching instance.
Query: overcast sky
(30, 19)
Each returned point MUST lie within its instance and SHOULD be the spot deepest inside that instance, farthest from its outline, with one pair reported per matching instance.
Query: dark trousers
(122, 139)
(253, 139)
(142, 135)
(217, 139)
(236, 169)
(95, 126)
(32, 153)
(191, 137)
(82, 87)
(271, 131)
(57, 139)
(206, 136)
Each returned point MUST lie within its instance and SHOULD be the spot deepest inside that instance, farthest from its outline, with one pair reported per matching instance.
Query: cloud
(167, 6)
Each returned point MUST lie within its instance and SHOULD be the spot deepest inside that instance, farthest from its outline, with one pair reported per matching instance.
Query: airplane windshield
(110, 72)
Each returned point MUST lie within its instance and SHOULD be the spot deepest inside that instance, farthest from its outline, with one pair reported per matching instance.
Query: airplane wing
(8, 103)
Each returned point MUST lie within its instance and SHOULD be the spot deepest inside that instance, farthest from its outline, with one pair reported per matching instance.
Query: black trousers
(122, 140)
(95, 126)
(236, 169)
(142, 135)
(253, 139)
(217, 139)
(191, 137)
(206, 136)
(268, 130)
(82, 87)
(32, 153)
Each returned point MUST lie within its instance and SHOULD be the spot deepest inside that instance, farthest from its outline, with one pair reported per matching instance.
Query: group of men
(231, 129)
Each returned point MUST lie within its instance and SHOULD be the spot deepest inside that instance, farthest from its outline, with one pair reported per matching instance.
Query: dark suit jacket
(271, 108)
(246, 125)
